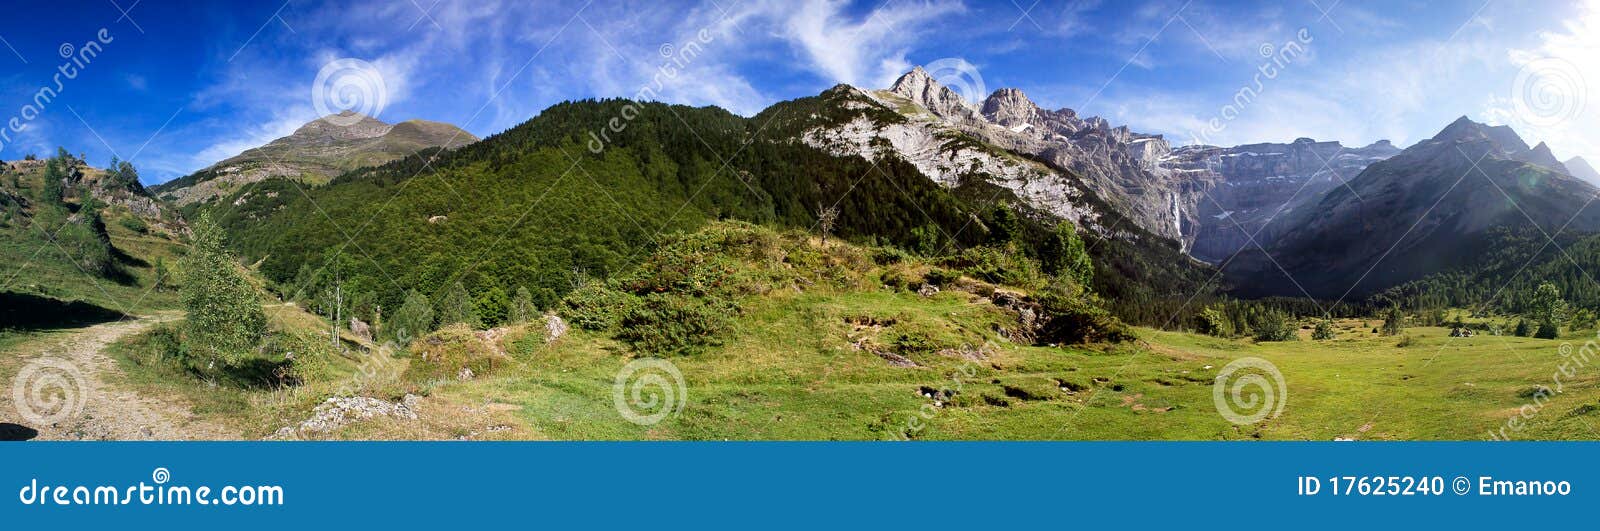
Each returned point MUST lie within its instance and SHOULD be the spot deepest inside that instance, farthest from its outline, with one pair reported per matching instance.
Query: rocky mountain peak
(926, 91)
(1009, 107)
(1504, 142)
(1541, 156)
(346, 125)
(1580, 168)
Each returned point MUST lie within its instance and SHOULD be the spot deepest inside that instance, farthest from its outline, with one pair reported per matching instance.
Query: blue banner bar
(763, 485)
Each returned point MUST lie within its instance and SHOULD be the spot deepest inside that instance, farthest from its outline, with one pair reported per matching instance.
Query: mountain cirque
(1207, 198)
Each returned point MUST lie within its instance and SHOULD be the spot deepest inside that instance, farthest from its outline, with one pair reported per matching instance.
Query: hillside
(316, 152)
(741, 332)
(535, 207)
(82, 247)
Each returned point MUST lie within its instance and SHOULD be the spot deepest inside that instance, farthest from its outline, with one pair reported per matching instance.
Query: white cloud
(1552, 97)
(869, 50)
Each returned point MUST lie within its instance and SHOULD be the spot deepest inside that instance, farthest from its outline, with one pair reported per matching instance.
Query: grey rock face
(1237, 192)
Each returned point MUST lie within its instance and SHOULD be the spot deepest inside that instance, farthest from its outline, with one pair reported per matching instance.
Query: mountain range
(915, 162)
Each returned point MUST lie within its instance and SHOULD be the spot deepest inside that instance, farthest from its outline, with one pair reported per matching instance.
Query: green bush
(1000, 266)
(941, 277)
(675, 324)
(457, 307)
(1547, 330)
(1522, 329)
(413, 320)
(1273, 325)
(1323, 331)
(1215, 323)
(1394, 322)
(1071, 318)
(597, 306)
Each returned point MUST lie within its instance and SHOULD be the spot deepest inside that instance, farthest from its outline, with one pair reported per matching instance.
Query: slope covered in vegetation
(566, 198)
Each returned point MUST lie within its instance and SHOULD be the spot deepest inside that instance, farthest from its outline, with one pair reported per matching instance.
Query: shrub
(909, 342)
(1582, 319)
(675, 324)
(597, 306)
(161, 346)
(1215, 323)
(1273, 325)
(705, 262)
(1522, 329)
(1547, 330)
(884, 256)
(941, 277)
(1394, 322)
(414, 319)
(1323, 330)
(1000, 266)
(901, 278)
(87, 245)
(1405, 341)
(1071, 318)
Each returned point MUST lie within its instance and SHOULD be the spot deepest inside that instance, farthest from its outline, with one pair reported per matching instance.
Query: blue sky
(182, 85)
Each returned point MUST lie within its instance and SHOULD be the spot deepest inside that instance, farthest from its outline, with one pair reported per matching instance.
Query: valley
(861, 264)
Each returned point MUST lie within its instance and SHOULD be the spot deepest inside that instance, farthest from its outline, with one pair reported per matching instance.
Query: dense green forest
(583, 192)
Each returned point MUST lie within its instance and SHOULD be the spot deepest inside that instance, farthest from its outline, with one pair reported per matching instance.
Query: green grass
(819, 348)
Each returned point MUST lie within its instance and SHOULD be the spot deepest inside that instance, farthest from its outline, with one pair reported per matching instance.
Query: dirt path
(59, 390)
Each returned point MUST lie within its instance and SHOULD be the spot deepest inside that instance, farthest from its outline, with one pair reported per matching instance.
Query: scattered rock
(895, 359)
(437, 219)
(337, 412)
(928, 290)
(360, 329)
(554, 328)
(464, 375)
